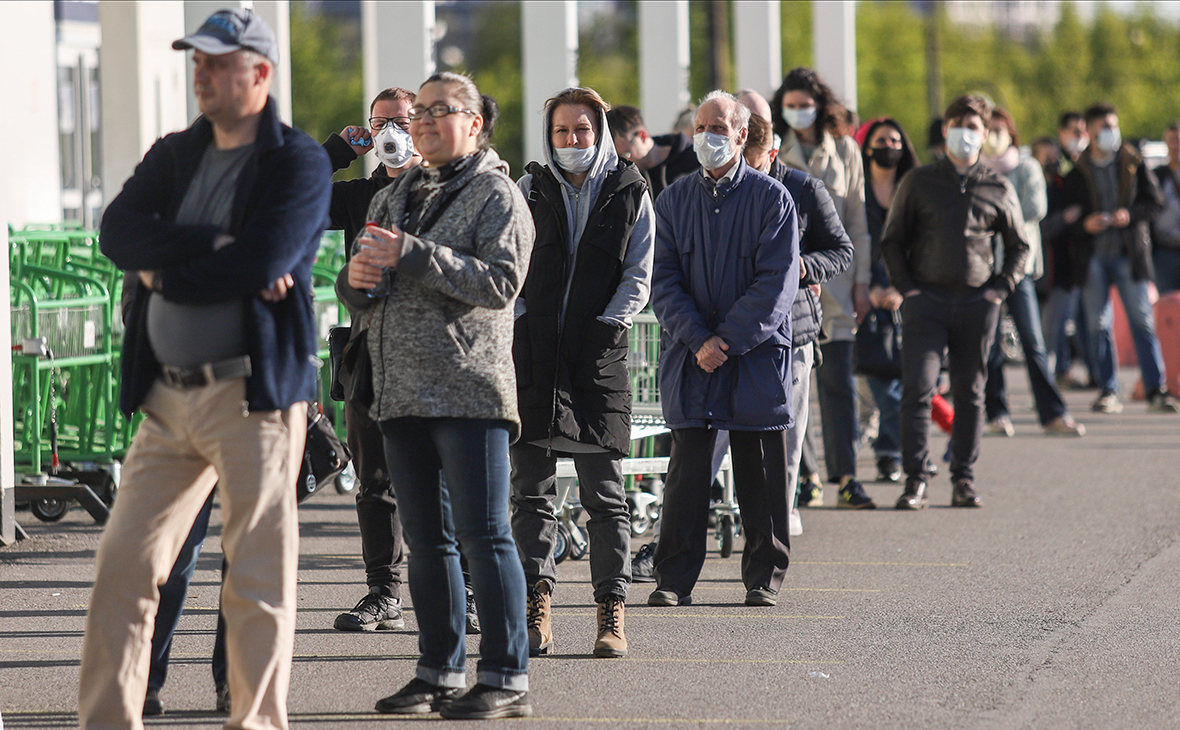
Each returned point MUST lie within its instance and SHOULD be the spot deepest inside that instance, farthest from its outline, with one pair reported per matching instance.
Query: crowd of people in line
(489, 338)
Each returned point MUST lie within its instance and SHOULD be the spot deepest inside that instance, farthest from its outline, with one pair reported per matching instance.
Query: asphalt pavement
(1055, 605)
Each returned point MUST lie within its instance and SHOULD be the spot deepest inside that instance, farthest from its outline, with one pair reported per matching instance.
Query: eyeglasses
(379, 123)
(437, 111)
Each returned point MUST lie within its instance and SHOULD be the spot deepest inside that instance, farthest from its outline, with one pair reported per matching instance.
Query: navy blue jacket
(726, 264)
(824, 247)
(279, 213)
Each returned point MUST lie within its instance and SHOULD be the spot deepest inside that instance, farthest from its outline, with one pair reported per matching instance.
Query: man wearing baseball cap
(222, 222)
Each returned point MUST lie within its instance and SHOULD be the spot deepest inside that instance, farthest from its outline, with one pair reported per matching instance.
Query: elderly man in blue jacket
(222, 221)
(725, 275)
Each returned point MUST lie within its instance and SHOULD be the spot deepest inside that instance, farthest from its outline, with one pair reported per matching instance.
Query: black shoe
(472, 618)
(223, 699)
(963, 495)
(852, 496)
(761, 597)
(914, 496)
(643, 565)
(1161, 401)
(374, 612)
(417, 698)
(486, 703)
(661, 597)
(151, 704)
(888, 469)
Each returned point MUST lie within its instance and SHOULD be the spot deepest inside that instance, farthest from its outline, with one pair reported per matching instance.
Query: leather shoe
(417, 698)
(660, 597)
(761, 597)
(914, 496)
(963, 495)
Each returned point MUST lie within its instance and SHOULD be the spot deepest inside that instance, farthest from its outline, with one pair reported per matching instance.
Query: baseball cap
(227, 31)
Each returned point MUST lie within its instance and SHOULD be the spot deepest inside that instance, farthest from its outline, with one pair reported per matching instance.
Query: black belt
(197, 376)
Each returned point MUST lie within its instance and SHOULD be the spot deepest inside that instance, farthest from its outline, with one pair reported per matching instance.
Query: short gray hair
(739, 114)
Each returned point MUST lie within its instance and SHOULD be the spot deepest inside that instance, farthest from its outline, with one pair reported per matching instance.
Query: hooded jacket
(280, 210)
(726, 264)
(589, 273)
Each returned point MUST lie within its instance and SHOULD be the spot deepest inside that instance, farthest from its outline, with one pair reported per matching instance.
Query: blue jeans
(466, 509)
(1167, 268)
(1022, 305)
(887, 396)
(1103, 273)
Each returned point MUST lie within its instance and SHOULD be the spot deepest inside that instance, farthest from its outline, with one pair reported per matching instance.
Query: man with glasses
(663, 160)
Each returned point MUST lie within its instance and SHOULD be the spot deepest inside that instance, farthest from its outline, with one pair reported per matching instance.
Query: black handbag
(877, 351)
(324, 455)
(337, 339)
(356, 371)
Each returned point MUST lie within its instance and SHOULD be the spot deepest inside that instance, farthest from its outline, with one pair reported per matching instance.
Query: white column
(143, 83)
(277, 14)
(833, 38)
(30, 165)
(663, 62)
(759, 46)
(407, 62)
(550, 63)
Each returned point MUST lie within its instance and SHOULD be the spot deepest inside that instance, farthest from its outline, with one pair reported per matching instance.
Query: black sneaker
(374, 612)
(852, 496)
(643, 564)
(811, 493)
(486, 703)
(152, 706)
(1161, 401)
(888, 469)
(417, 698)
(472, 617)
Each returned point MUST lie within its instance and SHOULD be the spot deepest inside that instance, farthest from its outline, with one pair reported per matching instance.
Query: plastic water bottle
(363, 242)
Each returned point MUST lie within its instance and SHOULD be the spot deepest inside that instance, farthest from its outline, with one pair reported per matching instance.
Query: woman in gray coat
(451, 245)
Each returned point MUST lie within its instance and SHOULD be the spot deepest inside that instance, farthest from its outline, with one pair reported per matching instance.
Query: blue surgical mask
(393, 146)
(574, 160)
(800, 119)
(713, 150)
(963, 143)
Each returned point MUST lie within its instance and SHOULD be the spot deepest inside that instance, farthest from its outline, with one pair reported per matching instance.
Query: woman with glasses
(458, 234)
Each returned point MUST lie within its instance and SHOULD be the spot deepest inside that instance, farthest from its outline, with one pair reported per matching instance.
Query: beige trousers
(190, 441)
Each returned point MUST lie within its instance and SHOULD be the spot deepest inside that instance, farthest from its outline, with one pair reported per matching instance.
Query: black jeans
(962, 325)
(376, 506)
(534, 523)
(760, 484)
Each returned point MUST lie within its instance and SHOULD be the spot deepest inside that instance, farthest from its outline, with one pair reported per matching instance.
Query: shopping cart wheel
(49, 509)
(578, 552)
(346, 481)
(561, 543)
(725, 533)
(640, 525)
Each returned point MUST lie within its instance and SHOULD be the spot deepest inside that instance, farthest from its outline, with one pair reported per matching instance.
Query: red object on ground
(1167, 329)
(942, 413)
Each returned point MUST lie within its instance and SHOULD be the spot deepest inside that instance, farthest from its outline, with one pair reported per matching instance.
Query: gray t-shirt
(185, 335)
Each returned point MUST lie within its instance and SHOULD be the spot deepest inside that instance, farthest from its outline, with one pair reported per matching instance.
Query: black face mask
(886, 157)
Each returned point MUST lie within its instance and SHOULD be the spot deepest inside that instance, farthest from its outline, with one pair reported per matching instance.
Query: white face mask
(393, 146)
(1074, 145)
(572, 159)
(963, 143)
(713, 150)
(799, 119)
(1109, 140)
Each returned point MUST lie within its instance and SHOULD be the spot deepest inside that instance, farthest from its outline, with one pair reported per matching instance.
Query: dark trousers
(376, 506)
(534, 523)
(839, 411)
(1026, 315)
(963, 326)
(760, 484)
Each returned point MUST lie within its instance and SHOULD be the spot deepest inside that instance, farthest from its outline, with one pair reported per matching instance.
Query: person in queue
(458, 234)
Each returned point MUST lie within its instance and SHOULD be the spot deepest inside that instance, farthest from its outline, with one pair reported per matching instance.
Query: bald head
(755, 102)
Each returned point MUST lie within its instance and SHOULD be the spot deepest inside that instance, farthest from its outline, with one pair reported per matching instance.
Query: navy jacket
(824, 247)
(726, 264)
(279, 213)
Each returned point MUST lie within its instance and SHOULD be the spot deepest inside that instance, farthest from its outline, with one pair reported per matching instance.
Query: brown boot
(540, 618)
(611, 641)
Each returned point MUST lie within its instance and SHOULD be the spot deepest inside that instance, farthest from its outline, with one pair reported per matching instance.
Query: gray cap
(227, 31)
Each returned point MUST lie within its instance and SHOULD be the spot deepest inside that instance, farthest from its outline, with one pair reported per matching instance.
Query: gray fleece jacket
(441, 341)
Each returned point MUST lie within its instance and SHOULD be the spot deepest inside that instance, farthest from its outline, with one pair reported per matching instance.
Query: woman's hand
(362, 276)
(380, 247)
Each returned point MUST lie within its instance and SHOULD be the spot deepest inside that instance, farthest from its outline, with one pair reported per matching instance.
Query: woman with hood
(590, 273)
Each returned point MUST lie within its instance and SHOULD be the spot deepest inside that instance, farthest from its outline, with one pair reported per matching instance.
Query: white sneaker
(796, 523)
(1002, 426)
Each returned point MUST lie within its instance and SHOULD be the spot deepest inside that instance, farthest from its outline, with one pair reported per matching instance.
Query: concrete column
(277, 14)
(143, 83)
(759, 46)
(663, 62)
(833, 36)
(550, 62)
(406, 63)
